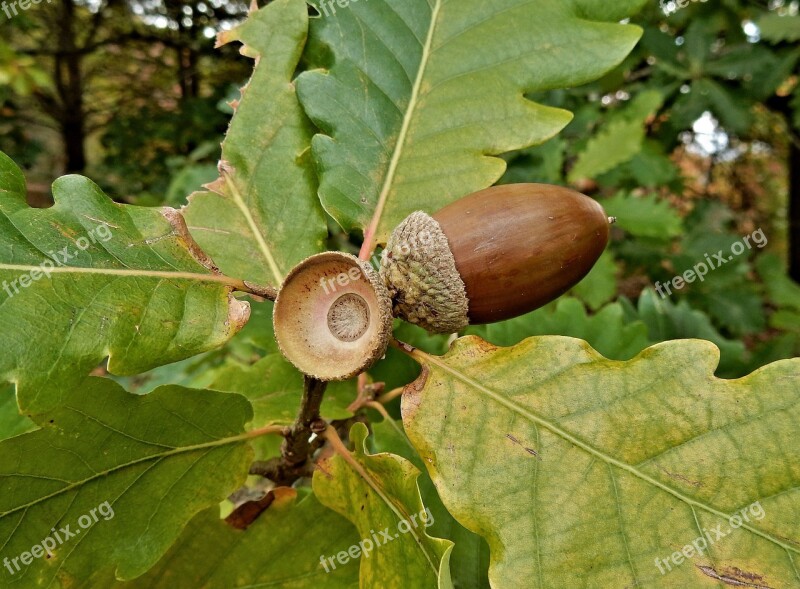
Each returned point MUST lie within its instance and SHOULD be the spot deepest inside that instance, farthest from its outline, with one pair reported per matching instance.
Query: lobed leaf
(381, 501)
(619, 140)
(620, 465)
(469, 560)
(644, 216)
(263, 216)
(138, 467)
(418, 97)
(109, 280)
(278, 550)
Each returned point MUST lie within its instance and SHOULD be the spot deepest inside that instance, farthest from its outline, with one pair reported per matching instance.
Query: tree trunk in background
(72, 134)
(69, 85)
(794, 210)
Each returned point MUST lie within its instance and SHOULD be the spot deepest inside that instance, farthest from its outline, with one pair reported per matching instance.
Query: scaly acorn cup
(332, 316)
(493, 255)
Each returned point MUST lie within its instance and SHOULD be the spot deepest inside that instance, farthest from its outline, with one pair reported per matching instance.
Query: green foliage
(157, 460)
(608, 331)
(619, 140)
(262, 215)
(209, 554)
(600, 285)
(404, 85)
(552, 422)
(644, 216)
(667, 321)
(380, 494)
(542, 463)
(782, 291)
(775, 28)
(469, 559)
(123, 282)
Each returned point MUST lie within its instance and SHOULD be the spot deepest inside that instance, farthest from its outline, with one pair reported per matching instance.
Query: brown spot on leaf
(244, 515)
(238, 314)
(680, 477)
(735, 577)
(181, 232)
(411, 398)
(530, 451)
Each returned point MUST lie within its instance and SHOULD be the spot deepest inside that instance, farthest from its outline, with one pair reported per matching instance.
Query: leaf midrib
(407, 118)
(254, 228)
(558, 431)
(362, 471)
(219, 278)
(158, 456)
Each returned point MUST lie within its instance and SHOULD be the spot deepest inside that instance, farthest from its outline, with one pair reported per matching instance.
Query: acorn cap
(421, 276)
(333, 316)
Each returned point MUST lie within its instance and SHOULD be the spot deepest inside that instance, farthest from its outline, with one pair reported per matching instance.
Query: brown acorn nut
(493, 255)
(333, 316)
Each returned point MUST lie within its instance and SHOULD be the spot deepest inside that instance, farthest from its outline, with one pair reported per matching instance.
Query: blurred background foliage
(692, 143)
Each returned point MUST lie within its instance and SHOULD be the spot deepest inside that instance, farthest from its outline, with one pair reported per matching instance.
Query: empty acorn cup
(333, 316)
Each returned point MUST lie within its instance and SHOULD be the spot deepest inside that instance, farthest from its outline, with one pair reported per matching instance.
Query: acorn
(493, 255)
(333, 316)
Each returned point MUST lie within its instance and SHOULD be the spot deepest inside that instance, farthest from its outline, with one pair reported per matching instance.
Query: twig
(393, 394)
(268, 292)
(296, 447)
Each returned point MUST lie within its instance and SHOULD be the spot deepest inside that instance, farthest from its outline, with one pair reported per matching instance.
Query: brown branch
(268, 292)
(296, 448)
(284, 474)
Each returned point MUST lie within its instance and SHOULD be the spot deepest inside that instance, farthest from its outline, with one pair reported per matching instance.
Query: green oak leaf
(619, 140)
(147, 464)
(383, 502)
(776, 28)
(607, 330)
(644, 216)
(263, 216)
(89, 278)
(666, 320)
(469, 561)
(600, 284)
(419, 96)
(277, 550)
(11, 422)
(619, 465)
